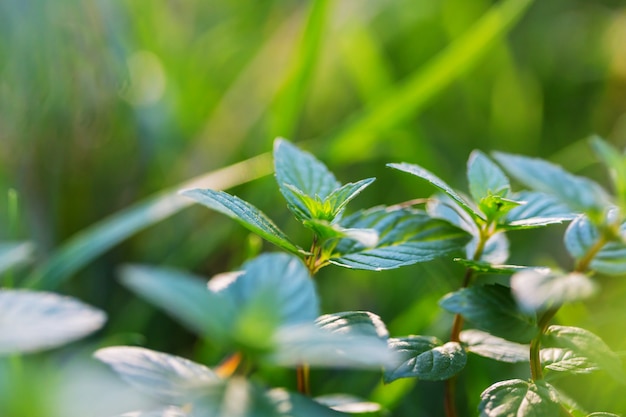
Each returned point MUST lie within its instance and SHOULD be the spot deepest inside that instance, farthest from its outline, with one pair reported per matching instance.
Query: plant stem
(302, 373)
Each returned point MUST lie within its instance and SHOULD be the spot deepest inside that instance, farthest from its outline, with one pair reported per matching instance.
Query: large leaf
(184, 297)
(423, 173)
(565, 360)
(581, 236)
(31, 321)
(406, 236)
(537, 290)
(492, 308)
(299, 170)
(244, 213)
(580, 194)
(537, 209)
(584, 343)
(425, 357)
(492, 347)
(13, 254)
(515, 398)
(172, 379)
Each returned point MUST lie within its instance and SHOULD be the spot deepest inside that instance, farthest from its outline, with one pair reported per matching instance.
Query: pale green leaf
(515, 398)
(537, 209)
(339, 198)
(350, 404)
(405, 237)
(245, 214)
(425, 358)
(13, 254)
(31, 321)
(492, 347)
(537, 290)
(615, 163)
(492, 308)
(290, 404)
(565, 360)
(486, 267)
(485, 177)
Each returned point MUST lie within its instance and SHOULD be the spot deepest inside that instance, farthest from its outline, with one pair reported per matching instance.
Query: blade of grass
(91, 242)
(357, 139)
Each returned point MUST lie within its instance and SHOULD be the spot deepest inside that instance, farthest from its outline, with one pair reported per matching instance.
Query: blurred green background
(105, 103)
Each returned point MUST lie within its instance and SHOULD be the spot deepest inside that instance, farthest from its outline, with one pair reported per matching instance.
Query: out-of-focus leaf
(519, 398)
(162, 412)
(169, 378)
(245, 214)
(582, 235)
(406, 237)
(290, 404)
(496, 250)
(426, 358)
(32, 321)
(339, 198)
(350, 404)
(615, 162)
(578, 193)
(354, 323)
(492, 347)
(492, 308)
(565, 360)
(13, 254)
(584, 343)
(537, 290)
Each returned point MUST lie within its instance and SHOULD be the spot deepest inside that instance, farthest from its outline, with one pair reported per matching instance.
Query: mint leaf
(492, 347)
(426, 358)
(439, 183)
(519, 398)
(565, 360)
(339, 198)
(245, 214)
(492, 308)
(582, 235)
(486, 267)
(350, 404)
(485, 177)
(31, 321)
(537, 210)
(537, 290)
(405, 237)
(578, 193)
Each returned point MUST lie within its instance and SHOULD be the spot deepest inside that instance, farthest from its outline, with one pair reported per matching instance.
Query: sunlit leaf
(171, 411)
(485, 177)
(339, 198)
(32, 321)
(565, 360)
(349, 404)
(615, 162)
(13, 254)
(492, 347)
(290, 404)
(519, 398)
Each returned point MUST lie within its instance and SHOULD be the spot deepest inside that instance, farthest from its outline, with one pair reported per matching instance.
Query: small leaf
(172, 379)
(496, 207)
(538, 210)
(406, 236)
(492, 308)
(565, 360)
(537, 290)
(615, 163)
(584, 343)
(339, 198)
(245, 214)
(350, 404)
(582, 235)
(439, 183)
(353, 323)
(515, 397)
(328, 231)
(31, 321)
(425, 358)
(300, 170)
(485, 177)
(13, 254)
(578, 193)
(602, 414)
(184, 297)
(492, 347)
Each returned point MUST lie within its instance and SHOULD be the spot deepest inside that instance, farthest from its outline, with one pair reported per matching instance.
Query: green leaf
(584, 343)
(580, 238)
(14, 254)
(492, 308)
(327, 231)
(184, 297)
(244, 213)
(439, 183)
(290, 404)
(515, 398)
(492, 347)
(406, 236)
(350, 404)
(602, 414)
(425, 358)
(486, 267)
(171, 411)
(31, 321)
(578, 193)
(299, 170)
(537, 290)
(615, 162)
(354, 323)
(565, 360)
(538, 209)
(485, 177)
(169, 378)
(339, 198)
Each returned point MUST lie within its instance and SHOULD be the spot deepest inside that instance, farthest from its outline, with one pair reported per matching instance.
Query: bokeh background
(104, 104)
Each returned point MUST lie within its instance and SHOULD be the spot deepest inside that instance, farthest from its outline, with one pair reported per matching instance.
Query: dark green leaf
(578, 193)
(13, 254)
(172, 379)
(439, 183)
(565, 360)
(184, 297)
(245, 214)
(492, 308)
(485, 177)
(515, 398)
(350, 404)
(31, 321)
(426, 358)
(537, 290)
(406, 236)
(580, 238)
(492, 347)
(584, 343)
(299, 170)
